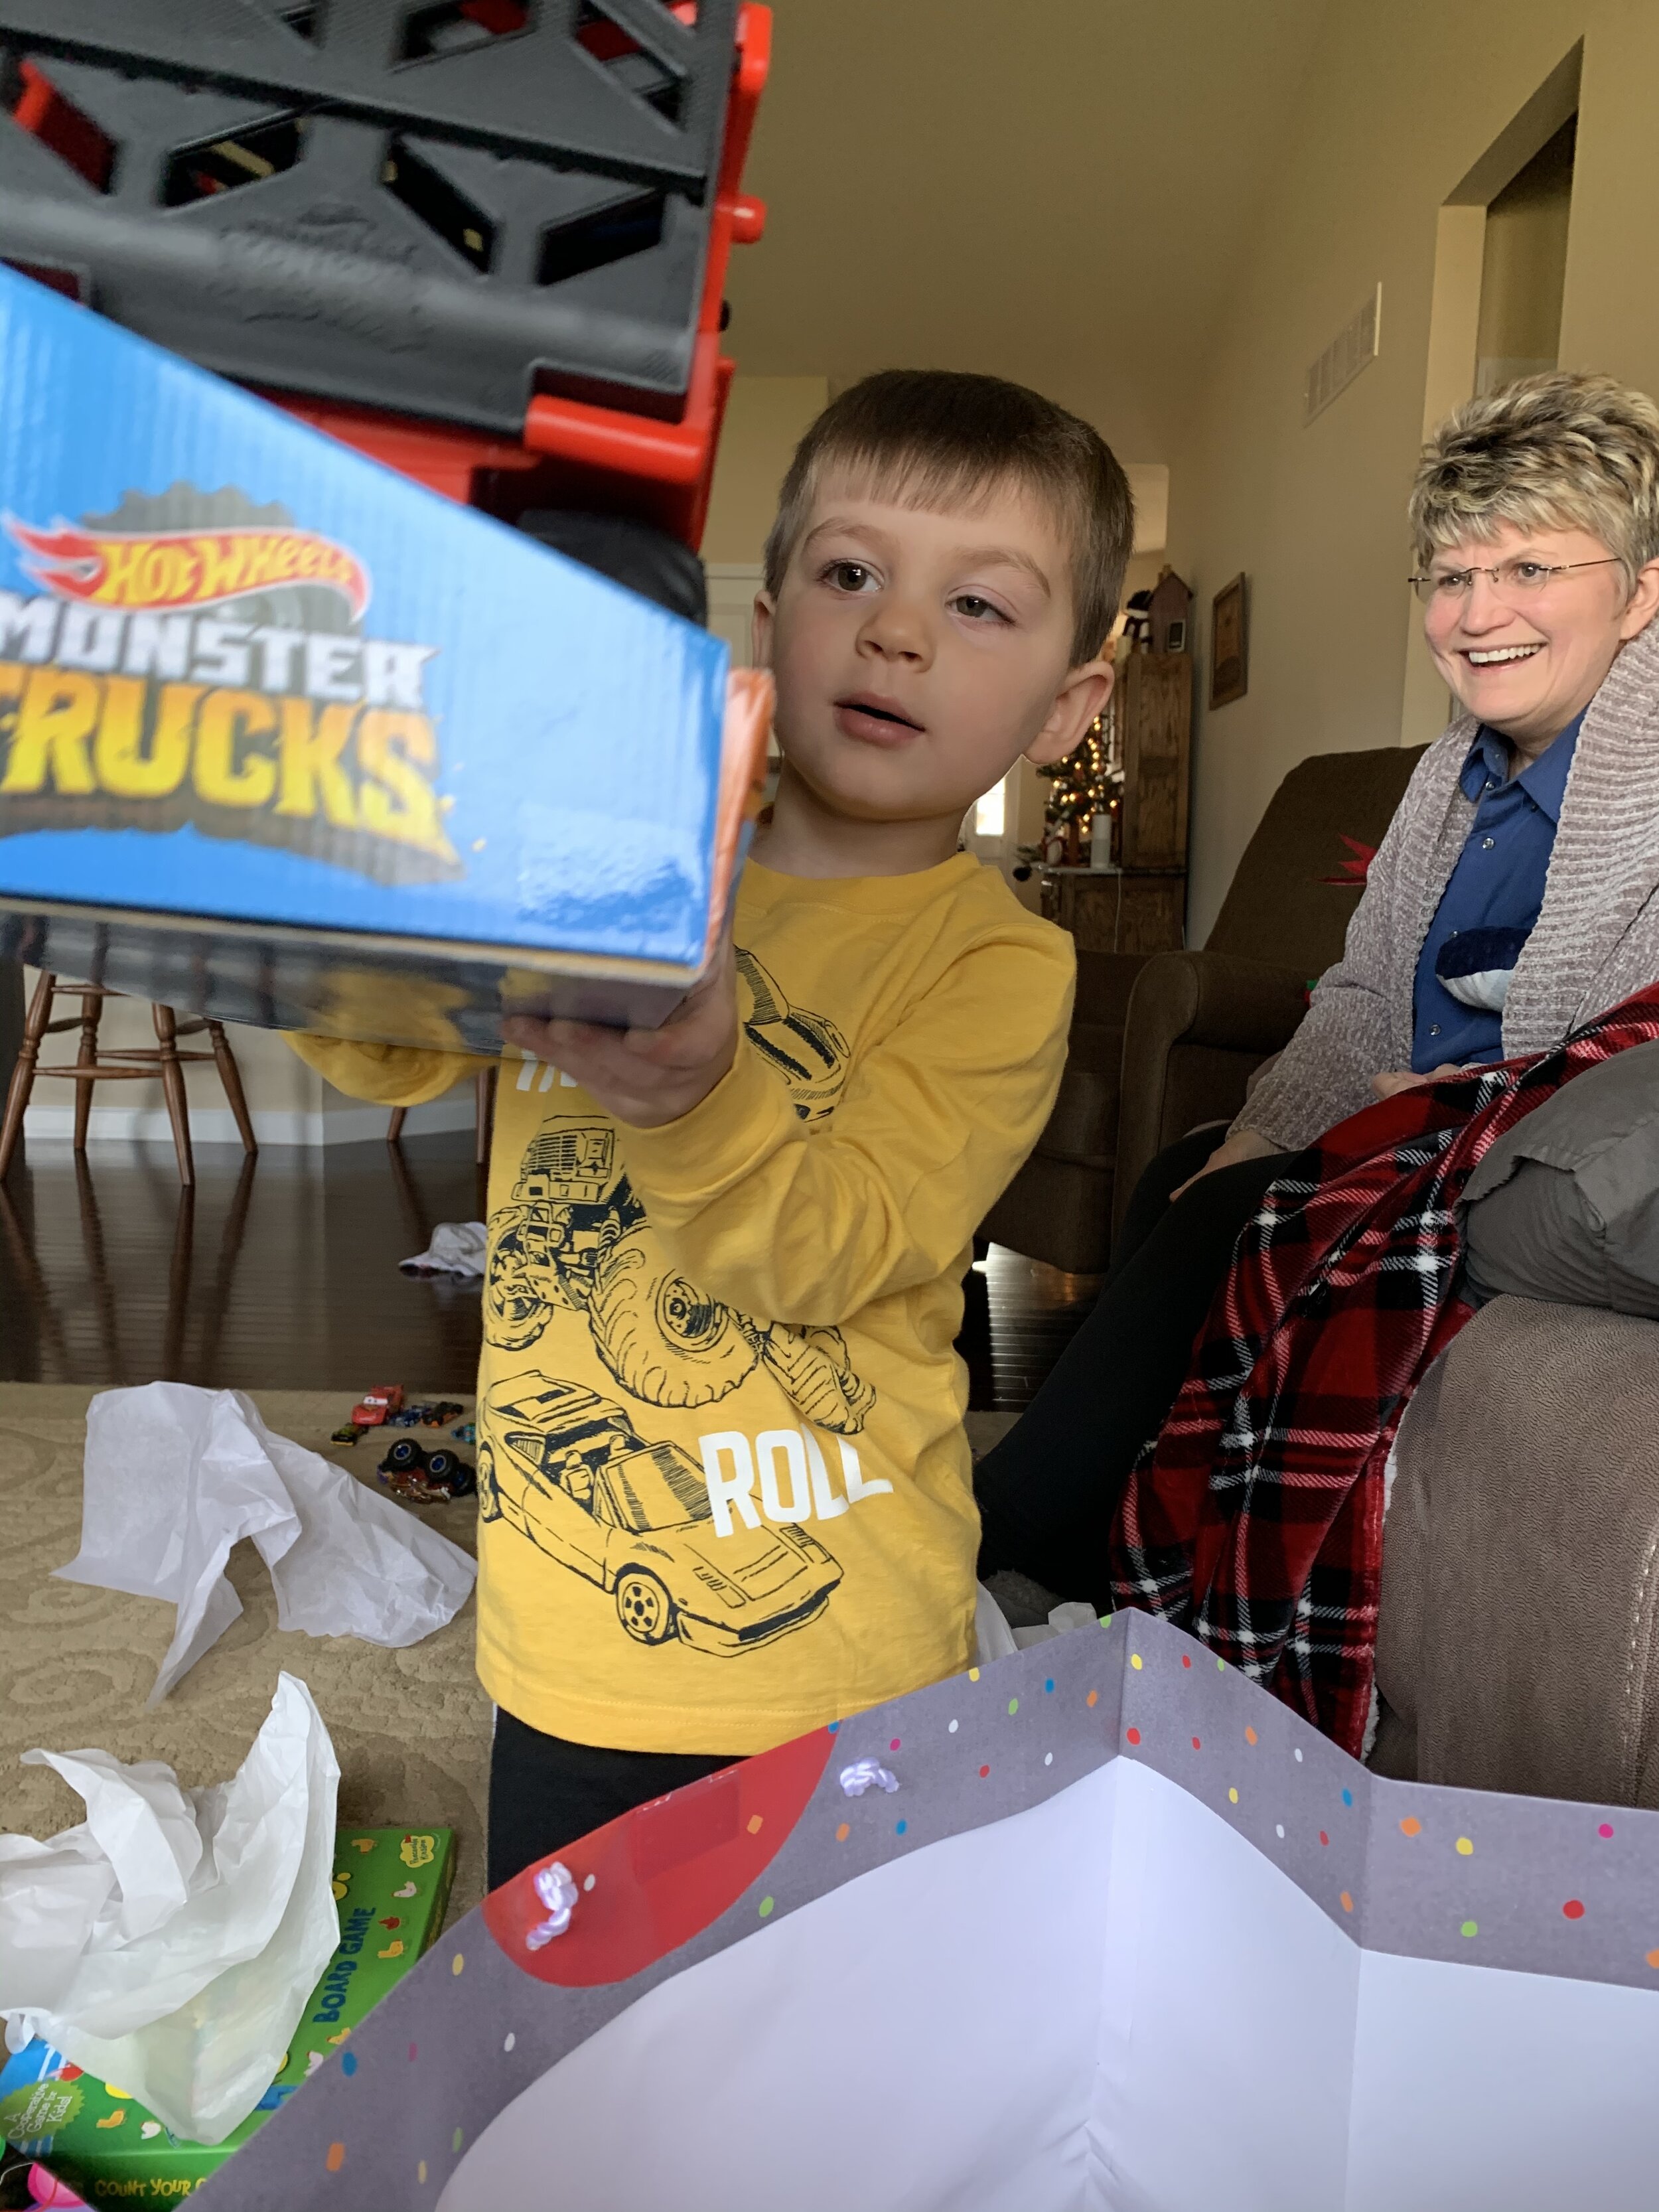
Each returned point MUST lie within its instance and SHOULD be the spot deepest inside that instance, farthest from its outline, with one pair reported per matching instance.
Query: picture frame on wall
(1228, 644)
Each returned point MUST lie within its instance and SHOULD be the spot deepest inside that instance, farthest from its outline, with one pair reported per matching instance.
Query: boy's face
(919, 653)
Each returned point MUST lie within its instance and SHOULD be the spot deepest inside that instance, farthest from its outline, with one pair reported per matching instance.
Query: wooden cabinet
(1137, 910)
(1154, 731)
(1141, 907)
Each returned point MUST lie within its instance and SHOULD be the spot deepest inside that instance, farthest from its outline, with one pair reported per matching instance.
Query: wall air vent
(1354, 345)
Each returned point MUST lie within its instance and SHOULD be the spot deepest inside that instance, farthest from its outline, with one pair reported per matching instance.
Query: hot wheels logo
(157, 570)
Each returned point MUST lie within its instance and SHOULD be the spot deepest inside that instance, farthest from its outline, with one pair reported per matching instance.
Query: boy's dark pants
(544, 1792)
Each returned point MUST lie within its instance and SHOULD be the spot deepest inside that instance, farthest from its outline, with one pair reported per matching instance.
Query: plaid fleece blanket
(1254, 1519)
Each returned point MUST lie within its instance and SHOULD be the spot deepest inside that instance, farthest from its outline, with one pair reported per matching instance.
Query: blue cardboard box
(289, 739)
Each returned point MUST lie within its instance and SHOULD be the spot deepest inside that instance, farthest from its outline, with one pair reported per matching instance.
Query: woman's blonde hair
(1566, 450)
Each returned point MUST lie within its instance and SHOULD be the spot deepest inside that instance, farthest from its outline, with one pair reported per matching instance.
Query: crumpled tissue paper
(171, 1942)
(175, 1476)
(458, 1248)
(994, 1639)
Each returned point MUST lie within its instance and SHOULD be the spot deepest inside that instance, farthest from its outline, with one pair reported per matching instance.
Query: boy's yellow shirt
(725, 1491)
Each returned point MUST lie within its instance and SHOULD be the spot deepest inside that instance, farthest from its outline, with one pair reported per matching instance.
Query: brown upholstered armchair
(1201, 1023)
(1059, 1206)
(1161, 1044)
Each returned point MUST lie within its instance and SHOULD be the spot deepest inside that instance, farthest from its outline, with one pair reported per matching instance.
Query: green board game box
(391, 1886)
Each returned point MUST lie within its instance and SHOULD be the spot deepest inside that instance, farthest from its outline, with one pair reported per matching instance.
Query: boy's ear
(1079, 698)
(760, 629)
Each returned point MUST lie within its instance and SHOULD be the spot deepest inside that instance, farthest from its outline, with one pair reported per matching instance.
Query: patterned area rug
(411, 1729)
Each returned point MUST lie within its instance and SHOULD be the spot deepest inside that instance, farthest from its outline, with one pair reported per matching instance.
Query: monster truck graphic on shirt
(574, 1235)
(568, 1470)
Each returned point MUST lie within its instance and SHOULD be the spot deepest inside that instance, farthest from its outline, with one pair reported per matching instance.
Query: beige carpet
(411, 1729)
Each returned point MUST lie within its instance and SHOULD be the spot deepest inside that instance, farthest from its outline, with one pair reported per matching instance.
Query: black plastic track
(434, 206)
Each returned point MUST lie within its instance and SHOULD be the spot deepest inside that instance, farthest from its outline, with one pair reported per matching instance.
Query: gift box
(286, 739)
(1103, 1927)
(391, 1884)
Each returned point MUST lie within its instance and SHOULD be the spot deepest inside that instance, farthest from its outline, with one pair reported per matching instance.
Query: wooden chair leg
(105, 1303)
(230, 1251)
(22, 1075)
(394, 1127)
(172, 1084)
(57, 1365)
(172, 1337)
(231, 1076)
(486, 1088)
(415, 1217)
(91, 1013)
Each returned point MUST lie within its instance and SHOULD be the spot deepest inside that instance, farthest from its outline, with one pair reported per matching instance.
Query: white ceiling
(1057, 190)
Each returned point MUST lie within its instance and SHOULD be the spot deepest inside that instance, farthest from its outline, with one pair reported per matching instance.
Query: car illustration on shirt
(568, 1470)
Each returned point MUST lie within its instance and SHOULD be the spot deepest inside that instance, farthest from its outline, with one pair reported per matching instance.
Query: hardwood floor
(1020, 1316)
(282, 1274)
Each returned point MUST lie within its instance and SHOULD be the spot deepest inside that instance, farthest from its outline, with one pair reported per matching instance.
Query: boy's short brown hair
(934, 436)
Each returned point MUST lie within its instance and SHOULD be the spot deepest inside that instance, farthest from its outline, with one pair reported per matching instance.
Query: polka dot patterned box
(1101, 1926)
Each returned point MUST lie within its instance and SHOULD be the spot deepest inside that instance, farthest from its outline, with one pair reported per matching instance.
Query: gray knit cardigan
(1596, 940)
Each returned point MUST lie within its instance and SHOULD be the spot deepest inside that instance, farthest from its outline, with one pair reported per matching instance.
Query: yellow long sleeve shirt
(724, 1493)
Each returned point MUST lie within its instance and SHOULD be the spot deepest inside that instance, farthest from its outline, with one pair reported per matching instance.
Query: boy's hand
(648, 1077)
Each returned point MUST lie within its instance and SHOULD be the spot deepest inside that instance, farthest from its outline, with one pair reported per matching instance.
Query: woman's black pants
(1049, 1492)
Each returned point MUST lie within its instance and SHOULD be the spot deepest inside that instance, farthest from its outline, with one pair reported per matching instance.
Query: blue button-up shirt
(1497, 883)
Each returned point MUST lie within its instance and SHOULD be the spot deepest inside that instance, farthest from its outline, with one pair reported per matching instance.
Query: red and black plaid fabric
(1254, 1519)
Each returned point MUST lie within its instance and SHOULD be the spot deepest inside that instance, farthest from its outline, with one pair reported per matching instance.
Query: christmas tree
(1085, 783)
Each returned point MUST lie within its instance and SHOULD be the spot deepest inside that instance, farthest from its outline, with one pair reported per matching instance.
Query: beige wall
(765, 417)
(1400, 103)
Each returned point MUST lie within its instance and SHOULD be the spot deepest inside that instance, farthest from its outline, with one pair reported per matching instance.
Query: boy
(724, 1486)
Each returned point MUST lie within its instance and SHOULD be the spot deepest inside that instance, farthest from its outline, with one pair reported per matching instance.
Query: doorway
(1524, 268)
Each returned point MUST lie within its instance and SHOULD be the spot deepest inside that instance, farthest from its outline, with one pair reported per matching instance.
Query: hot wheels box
(391, 1885)
(289, 739)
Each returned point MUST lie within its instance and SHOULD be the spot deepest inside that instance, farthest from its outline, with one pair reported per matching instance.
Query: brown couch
(1161, 1044)
(1519, 1630)
(1059, 1206)
(1201, 1023)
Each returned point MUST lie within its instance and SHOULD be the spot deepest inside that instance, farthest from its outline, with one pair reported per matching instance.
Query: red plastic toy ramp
(506, 341)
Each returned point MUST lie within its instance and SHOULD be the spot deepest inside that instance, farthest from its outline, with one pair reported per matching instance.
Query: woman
(1513, 900)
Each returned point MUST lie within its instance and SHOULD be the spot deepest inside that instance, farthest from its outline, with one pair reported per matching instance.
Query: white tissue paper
(171, 1942)
(458, 1248)
(994, 1639)
(1063, 1621)
(175, 1476)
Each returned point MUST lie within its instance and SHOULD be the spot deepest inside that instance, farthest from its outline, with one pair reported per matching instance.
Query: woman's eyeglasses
(1511, 579)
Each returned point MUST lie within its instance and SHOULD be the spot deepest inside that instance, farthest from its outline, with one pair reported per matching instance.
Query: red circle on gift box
(651, 1880)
